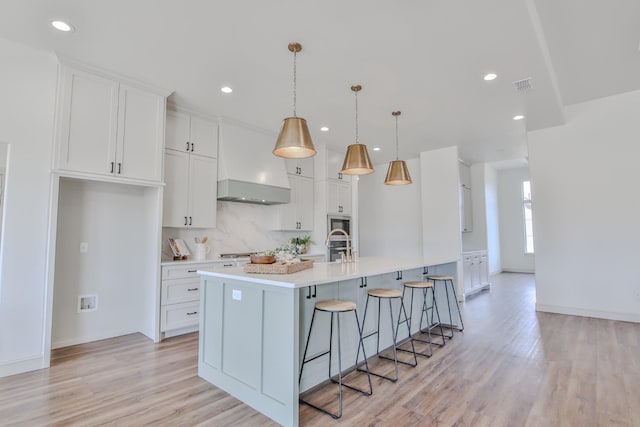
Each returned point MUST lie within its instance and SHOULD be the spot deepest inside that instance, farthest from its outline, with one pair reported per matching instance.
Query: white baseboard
(625, 317)
(90, 338)
(13, 367)
(182, 331)
(518, 270)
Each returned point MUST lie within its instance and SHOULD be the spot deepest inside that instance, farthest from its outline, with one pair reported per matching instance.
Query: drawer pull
(192, 289)
(191, 271)
(192, 313)
(227, 265)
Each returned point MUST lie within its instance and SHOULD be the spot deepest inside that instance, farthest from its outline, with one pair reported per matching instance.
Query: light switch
(236, 294)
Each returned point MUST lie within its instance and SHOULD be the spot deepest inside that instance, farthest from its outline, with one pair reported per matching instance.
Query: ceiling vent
(523, 85)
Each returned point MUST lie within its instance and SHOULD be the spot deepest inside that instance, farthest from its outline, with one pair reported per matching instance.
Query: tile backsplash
(241, 227)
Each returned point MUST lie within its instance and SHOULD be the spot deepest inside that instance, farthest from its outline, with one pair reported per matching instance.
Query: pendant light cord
(294, 83)
(397, 145)
(357, 141)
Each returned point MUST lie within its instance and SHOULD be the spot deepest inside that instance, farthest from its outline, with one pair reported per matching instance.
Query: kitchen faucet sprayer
(338, 230)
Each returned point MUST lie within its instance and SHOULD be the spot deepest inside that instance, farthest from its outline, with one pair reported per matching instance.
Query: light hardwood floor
(510, 367)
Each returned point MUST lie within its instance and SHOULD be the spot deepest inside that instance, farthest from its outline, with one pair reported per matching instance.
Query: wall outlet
(84, 247)
(236, 295)
(87, 303)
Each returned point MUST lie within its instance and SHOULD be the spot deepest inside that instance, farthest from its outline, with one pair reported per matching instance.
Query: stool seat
(440, 277)
(418, 284)
(385, 293)
(335, 305)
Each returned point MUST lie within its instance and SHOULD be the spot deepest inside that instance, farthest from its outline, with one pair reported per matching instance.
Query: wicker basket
(278, 267)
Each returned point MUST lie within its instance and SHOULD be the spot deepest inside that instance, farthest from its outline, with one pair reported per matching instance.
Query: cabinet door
(176, 178)
(466, 272)
(475, 272)
(177, 133)
(304, 203)
(300, 167)
(466, 213)
(333, 206)
(334, 166)
(204, 137)
(484, 270)
(140, 134)
(344, 198)
(88, 128)
(203, 185)
(288, 214)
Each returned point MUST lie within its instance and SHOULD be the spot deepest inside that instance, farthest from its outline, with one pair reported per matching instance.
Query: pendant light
(294, 141)
(397, 174)
(357, 161)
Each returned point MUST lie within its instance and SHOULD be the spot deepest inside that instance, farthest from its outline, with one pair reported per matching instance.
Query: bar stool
(424, 312)
(334, 307)
(448, 280)
(388, 294)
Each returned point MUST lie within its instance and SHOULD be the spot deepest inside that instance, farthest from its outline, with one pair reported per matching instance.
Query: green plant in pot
(302, 242)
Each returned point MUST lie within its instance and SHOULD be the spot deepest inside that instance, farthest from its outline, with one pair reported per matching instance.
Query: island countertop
(328, 272)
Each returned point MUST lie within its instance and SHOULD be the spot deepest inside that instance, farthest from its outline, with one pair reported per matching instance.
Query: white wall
(512, 231)
(28, 87)
(390, 216)
(585, 209)
(493, 219)
(440, 205)
(111, 219)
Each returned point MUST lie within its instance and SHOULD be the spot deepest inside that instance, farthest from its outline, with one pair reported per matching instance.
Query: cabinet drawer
(179, 316)
(180, 290)
(180, 271)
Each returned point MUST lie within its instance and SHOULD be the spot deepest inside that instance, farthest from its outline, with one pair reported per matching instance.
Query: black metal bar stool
(334, 307)
(424, 313)
(388, 294)
(448, 280)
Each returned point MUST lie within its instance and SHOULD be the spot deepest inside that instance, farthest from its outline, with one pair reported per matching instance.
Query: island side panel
(249, 344)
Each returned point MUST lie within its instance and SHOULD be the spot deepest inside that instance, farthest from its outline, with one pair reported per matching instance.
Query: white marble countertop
(327, 272)
(219, 260)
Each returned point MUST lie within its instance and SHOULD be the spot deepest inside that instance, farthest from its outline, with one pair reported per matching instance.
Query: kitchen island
(253, 326)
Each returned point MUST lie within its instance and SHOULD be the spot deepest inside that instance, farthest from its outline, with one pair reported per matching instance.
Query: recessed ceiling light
(324, 129)
(62, 26)
(518, 117)
(376, 148)
(226, 89)
(490, 76)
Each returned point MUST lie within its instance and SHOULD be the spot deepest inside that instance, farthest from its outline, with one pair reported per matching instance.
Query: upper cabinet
(338, 197)
(465, 174)
(300, 167)
(334, 166)
(192, 134)
(108, 128)
(466, 212)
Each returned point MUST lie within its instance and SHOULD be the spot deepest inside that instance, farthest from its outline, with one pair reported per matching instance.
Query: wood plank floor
(510, 367)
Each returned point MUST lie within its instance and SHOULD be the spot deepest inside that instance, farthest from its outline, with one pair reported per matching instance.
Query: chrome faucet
(338, 230)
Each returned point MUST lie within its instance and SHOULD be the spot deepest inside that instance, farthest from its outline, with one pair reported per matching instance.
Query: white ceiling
(423, 57)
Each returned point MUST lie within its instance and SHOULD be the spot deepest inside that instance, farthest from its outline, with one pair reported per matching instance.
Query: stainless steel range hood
(247, 170)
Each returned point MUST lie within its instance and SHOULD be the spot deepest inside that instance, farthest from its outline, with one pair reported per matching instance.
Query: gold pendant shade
(294, 141)
(357, 161)
(398, 173)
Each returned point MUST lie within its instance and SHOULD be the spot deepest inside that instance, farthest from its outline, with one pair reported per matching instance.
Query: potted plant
(302, 243)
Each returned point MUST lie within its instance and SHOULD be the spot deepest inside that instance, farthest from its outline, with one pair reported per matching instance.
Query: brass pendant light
(357, 161)
(398, 173)
(294, 141)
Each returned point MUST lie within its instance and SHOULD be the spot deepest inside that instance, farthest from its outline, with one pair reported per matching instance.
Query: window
(528, 220)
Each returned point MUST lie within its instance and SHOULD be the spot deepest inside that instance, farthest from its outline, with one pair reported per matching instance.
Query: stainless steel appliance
(337, 242)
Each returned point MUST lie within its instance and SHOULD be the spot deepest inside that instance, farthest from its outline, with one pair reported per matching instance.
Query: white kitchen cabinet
(189, 133)
(108, 128)
(300, 167)
(180, 296)
(465, 174)
(335, 159)
(190, 192)
(338, 197)
(475, 271)
(298, 213)
(466, 211)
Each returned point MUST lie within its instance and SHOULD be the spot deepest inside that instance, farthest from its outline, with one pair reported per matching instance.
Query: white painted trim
(13, 367)
(516, 270)
(105, 178)
(96, 337)
(574, 311)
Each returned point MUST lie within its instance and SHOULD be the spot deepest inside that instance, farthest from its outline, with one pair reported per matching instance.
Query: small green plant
(302, 240)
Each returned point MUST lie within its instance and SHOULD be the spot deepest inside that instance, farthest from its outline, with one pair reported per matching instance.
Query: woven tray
(278, 267)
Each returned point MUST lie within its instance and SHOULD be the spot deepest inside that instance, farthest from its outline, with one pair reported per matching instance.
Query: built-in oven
(338, 241)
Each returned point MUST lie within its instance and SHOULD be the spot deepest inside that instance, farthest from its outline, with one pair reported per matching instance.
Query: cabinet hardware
(398, 275)
(187, 145)
(425, 271)
(190, 220)
(119, 167)
(191, 271)
(192, 313)
(227, 265)
(339, 175)
(113, 164)
(192, 289)
(363, 282)
(185, 220)
(308, 293)
(314, 291)
(192, 146)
